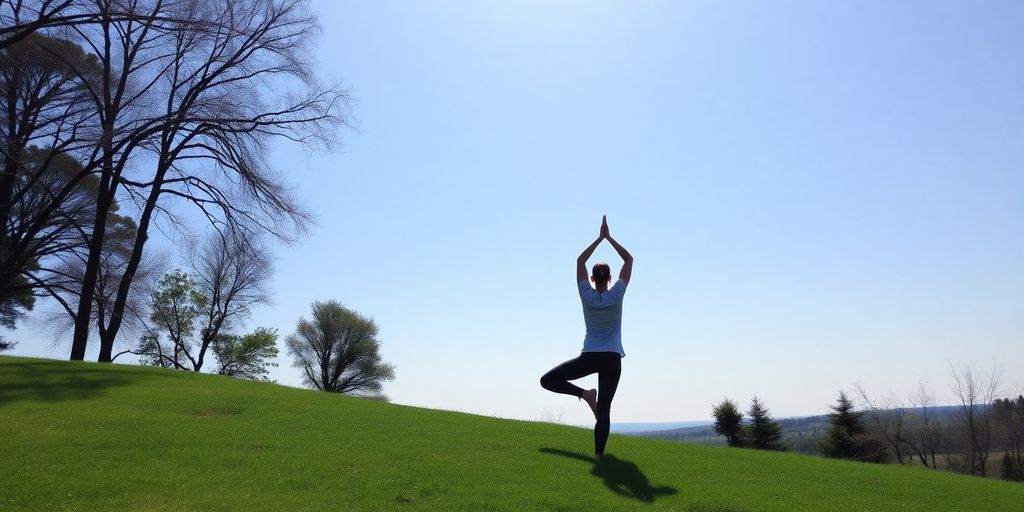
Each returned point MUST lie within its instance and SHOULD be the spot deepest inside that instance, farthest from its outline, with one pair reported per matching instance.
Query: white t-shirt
(602, 313)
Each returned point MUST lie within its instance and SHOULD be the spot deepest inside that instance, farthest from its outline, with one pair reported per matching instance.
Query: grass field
(82, 436)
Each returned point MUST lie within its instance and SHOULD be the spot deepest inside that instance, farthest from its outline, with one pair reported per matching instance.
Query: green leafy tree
(763, 432)
(14, 305)
(338, 351)
(228, 277)
(232, 273)
(248, 356)
(45, 193)
(151, 352)
(177, 304)
(729, 422)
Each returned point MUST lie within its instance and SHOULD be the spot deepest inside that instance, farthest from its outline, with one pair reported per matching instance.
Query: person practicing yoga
(602, 346)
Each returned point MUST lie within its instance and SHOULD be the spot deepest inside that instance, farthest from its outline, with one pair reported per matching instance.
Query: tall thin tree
(975, 393)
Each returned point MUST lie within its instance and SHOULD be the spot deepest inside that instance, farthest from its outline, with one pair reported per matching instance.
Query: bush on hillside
(338, 351)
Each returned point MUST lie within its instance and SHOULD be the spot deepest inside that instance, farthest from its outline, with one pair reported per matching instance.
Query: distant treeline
(799, 434)
(982, 435)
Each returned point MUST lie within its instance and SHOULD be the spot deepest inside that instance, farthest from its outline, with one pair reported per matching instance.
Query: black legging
(608, 366)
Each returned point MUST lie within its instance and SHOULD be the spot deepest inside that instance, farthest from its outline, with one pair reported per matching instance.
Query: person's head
(601, 274)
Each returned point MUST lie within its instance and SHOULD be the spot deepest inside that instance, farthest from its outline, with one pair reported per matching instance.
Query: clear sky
(816, 194)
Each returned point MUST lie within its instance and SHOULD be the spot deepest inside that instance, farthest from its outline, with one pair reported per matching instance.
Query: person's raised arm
(581, 262)
(627, 259)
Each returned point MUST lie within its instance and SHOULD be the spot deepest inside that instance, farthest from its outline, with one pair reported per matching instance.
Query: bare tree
(975, 393)
(199, 86)
(924, 433)
(232, 273)
(192, 311)
(180, 101)
(338, 351)
(20, 19)
(64, 284)
(889, 419)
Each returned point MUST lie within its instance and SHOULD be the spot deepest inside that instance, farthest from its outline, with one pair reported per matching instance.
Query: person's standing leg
(607, 382)
(557, 379)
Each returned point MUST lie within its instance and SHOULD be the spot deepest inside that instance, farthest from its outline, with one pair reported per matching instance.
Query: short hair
(602, 273)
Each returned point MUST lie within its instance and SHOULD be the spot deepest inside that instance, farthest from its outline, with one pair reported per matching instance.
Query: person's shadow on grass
(621, 476)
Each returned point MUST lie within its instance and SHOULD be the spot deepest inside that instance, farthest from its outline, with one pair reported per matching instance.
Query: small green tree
(763, 432)
(229, 275)
(844, 439)
(728, 422)
(247, 356)
(177, 305)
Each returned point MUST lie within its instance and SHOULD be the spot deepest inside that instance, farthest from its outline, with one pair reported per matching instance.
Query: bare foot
(590, 396)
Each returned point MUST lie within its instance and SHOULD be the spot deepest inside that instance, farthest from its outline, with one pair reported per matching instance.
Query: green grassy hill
(81, 436)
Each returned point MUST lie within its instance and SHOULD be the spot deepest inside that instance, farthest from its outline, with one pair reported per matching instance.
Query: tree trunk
(202, 355)
(12, 150)
(12, 155)
(92, 267)
(10, 261)
(141, 235)
(106, 346)
(107, 190)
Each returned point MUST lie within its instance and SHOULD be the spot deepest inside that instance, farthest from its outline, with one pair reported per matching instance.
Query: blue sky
(816, 194)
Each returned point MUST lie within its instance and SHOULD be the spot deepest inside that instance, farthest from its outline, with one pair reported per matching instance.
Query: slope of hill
(81, 436)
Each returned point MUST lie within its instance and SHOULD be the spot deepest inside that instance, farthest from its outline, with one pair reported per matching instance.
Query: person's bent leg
(608, 382)
(557, 379)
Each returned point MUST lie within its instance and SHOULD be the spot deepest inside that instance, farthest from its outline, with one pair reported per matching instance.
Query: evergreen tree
(849, 438)
(763, 433)
(1008, 415)
(844, 439)
(728, 422)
